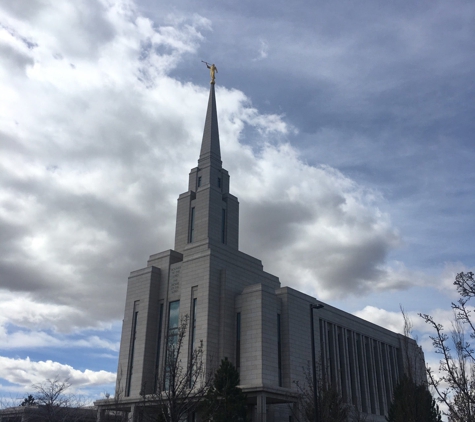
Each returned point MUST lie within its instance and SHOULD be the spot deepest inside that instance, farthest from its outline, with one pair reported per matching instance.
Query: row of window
(192, 218)
(364, 369)
(172, 338)
(199, 182)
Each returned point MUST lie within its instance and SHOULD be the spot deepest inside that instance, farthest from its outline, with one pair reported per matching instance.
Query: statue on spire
(212, 71)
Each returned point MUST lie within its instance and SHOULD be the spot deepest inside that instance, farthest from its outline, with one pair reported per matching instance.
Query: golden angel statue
(212, 70)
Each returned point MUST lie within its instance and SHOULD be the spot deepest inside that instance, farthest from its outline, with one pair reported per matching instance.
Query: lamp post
(314, 369)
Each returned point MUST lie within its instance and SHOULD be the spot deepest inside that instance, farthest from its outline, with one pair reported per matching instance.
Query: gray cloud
(96, 185)
(315, 228)
(94, 157)
(17, 60)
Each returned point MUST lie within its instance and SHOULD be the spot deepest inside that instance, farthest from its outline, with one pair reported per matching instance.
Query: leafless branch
(183, 383)
(455, 384)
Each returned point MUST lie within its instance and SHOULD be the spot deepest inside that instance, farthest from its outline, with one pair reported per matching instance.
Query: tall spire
(210, 143)
(207, 213)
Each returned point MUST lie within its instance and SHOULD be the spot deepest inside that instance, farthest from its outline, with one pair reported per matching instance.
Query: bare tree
(114, 411)
(455, 383)
(181, 387)
(412, 400)
(413, 356)
(331, 406)
(408, 359)
(7, 402)
(54, 403)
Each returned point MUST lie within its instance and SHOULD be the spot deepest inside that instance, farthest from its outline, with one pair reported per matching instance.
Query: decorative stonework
(174, 280)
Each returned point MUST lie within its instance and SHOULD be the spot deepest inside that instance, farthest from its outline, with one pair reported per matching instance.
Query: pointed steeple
(210, 144)
(207, 213)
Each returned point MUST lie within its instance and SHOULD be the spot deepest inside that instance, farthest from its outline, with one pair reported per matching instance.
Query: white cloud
(29, 324)
(421, 331)
(97, 153)
(77, 141)
(391, 320)
(36, 339)
(98, 133)
(445, 282)
(394, 321)
(313, 227)
(27, 373)
(21, 310)
(94, 153)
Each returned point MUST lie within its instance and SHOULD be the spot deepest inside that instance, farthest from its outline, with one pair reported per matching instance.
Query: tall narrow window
(323, 349)
(331, 354)
(370, 373)
(238, 340)
(352, 366)
(193, 325)
(199, 181)
(173, 316)
(386, 371)
(219, 182)
(379, 376)
(132, 348)
(361, 372)
(279, 350)
(223, 226)
(192, 354)
(159, 344)
(343, 363)
(192, 224)
(172, 341)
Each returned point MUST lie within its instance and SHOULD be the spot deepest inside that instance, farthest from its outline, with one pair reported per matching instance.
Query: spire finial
(212, 70)
(210, 144)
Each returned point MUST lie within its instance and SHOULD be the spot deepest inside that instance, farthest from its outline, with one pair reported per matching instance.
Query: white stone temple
(241, 312)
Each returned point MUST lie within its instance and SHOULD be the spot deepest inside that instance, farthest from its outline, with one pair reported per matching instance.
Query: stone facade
(242, 313)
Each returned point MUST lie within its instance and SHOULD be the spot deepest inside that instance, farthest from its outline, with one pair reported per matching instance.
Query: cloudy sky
(347, 128)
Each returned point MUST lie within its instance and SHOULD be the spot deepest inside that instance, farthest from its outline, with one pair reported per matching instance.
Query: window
(192, 339)
(199, 181)
(172, 339)
(223, 226)
(238, 340)
(159, 344)
(133, 337)
(192, 224)
(279, 350)
(173, 316)
(361, 372)
(193, 325)
(219, 182)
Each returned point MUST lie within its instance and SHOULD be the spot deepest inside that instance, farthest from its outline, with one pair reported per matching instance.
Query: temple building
(241, 312)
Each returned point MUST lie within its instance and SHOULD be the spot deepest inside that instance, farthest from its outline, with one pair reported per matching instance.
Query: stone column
(100, 417)
(295, 411)
(261, 408)
(132, 416)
